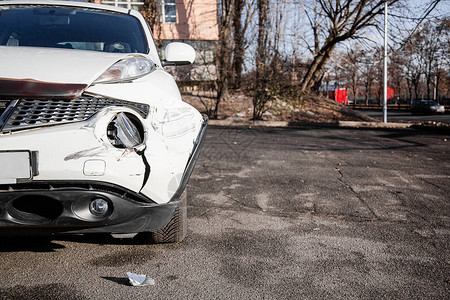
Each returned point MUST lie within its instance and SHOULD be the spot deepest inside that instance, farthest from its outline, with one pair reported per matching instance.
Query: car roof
(67, 3)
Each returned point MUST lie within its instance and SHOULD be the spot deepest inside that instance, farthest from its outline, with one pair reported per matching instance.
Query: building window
(169, 8)
(130, 4)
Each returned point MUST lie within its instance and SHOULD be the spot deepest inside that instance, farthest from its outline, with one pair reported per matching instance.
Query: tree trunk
(259, 98)
(415, 83)
(151, 12)
(223, 57)
(238, 57)
(318, 64)
(409, 86)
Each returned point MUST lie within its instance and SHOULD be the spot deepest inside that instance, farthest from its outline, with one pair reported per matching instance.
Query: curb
(246, 123)
(343, 124)
(354, 124)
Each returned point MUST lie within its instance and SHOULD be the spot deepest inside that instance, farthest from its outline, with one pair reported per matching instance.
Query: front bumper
(49, 207)
(45, 208)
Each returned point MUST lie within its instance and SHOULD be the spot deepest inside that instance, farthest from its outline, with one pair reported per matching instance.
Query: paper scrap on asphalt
(140, 280)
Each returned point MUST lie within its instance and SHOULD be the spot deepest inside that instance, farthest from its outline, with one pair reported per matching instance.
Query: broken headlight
(126, 69)
(125, 131)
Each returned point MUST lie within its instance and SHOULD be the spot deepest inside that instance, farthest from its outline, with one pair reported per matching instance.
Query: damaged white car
(94, 136)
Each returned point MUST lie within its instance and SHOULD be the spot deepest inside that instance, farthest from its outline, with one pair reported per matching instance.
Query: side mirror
(178, 54)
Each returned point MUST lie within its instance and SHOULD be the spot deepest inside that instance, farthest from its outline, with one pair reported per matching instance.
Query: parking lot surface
(406, 116)
(306, 213)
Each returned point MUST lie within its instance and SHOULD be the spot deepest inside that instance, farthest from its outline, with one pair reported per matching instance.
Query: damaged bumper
(118, 181)
(63, 207)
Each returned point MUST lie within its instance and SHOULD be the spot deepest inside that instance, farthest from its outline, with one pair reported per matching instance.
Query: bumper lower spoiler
(63, 207)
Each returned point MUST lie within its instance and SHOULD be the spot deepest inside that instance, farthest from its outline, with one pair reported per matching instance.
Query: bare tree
(151, 11)
(433, 39)
(238, 40)
(335, 21)
(261, 96)
(349, 63)
(368, 73)
(397, 79)
(269, 65)
(224, 52)
(234, 18)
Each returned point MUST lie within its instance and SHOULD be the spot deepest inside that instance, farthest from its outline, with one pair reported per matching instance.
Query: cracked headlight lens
(125, 131)
(127, 69)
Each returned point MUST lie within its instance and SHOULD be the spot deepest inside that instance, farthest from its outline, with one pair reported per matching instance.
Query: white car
(94, 135)
(426, 107)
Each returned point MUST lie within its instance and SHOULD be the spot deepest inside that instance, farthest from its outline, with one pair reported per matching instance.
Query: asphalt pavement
(274, 213)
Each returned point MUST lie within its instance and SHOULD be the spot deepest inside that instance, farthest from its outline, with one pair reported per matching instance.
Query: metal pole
(385, 66)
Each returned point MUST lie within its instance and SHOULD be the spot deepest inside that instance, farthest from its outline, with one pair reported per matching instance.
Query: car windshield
(72, 28)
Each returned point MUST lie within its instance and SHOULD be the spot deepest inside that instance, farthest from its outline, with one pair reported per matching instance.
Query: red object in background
(390, 93)
(339, 95)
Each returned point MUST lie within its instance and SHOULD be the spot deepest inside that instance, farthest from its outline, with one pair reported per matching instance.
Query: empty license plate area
(14, 166)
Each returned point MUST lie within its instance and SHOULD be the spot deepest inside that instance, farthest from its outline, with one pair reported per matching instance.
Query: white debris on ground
(140, 280)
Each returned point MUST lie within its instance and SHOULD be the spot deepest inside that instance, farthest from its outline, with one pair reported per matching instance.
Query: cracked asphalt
(274, 213)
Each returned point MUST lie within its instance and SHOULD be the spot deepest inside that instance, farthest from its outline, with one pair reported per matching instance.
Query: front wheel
(175, 230)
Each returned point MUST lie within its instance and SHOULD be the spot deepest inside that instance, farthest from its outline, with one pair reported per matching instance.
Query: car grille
(3, 106)
(31, 113)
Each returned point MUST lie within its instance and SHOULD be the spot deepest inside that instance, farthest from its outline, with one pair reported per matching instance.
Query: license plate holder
(16, 166)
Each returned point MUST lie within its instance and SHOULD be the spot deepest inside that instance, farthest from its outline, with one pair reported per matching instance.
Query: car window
(71, 28)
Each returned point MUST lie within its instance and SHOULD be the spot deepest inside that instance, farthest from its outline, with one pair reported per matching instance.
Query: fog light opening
(99, 207)
(40, 206)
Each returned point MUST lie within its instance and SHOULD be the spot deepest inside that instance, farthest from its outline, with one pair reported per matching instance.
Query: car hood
(49, 72)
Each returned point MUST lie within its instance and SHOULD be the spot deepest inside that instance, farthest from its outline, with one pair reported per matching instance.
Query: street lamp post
(385, 66)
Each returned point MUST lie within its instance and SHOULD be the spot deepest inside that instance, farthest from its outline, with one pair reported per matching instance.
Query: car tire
(175, 230)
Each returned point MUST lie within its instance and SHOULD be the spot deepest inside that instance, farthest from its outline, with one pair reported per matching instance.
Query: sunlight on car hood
(66, 66)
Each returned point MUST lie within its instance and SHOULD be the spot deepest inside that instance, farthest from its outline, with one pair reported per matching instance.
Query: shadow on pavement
(29, 243)
(118, 280)
(50, 243)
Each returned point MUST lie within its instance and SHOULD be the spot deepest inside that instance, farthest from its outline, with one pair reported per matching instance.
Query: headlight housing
(125, 131)
(129, 68)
